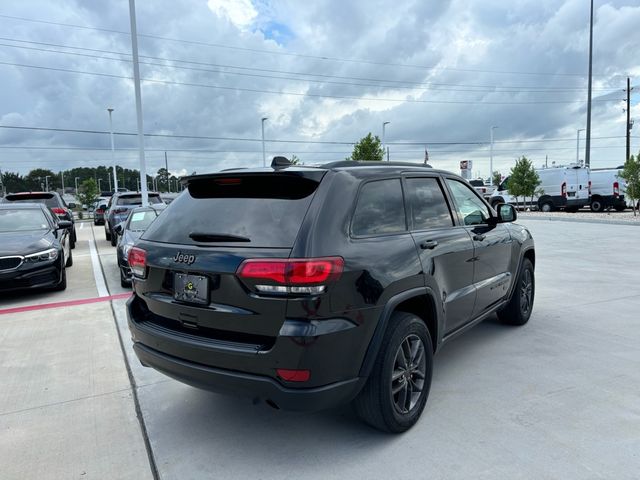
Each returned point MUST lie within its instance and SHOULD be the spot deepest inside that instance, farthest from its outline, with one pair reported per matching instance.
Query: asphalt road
(557, 398)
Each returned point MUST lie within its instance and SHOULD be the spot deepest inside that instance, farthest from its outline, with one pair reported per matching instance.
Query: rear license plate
(191, 288)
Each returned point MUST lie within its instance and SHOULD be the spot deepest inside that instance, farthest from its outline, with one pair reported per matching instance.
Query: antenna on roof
(280, 163)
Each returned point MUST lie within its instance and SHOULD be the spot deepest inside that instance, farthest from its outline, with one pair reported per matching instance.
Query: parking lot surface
(557, 398)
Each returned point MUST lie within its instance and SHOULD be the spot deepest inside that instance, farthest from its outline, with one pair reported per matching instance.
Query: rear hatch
(193, 251)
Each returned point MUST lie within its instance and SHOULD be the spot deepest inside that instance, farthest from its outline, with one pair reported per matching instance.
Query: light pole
(384, 147)
(491, 153)
(62, 180)
(46, 182)
(113, 153)
(100, 186)
(264, 153)
(77, 185)
(578, 145)
(587, 153)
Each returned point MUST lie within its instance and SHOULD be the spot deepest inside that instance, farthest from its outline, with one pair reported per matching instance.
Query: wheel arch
(418, 301)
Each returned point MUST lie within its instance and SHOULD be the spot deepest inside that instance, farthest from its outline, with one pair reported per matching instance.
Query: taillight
(100, 211)
(563, 189)
(58, 211)
(138, 262)
(616, 189)
(291, 276)
(589, 187)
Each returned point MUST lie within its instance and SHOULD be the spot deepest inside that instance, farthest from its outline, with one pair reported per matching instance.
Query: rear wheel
(107, 232)
(519, 308)
(546, 207)
(73, 238)
(397, 389)
(114, 239)
(124, 281)
(596, 205)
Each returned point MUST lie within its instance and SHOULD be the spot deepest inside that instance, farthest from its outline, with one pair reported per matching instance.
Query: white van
(562, 188)
(607, 189)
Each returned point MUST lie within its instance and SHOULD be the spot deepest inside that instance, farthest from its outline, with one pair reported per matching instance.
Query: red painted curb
(68, 303)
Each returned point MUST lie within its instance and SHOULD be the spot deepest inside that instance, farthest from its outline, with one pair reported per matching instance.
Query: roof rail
(369, 163)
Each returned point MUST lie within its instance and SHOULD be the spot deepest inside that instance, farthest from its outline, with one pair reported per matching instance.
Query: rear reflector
(311, 271)
(138, 262)
(563, 189)
(294, 375)
(616, 189)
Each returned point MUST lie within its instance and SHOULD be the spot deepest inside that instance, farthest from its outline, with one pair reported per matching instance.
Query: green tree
(631, 174)
(36, 179)
(13, 182)
(162, 180)
(294, 160)
(368, 148)
(88, 193)
(523, 180)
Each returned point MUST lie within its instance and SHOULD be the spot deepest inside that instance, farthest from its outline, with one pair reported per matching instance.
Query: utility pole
(136, 83)
(578, 146)
(385, 149)
(113, 154)
(629, 124)
(264, 154)
(493, 127)
(77, 185)
(62, 180)
(587, 153)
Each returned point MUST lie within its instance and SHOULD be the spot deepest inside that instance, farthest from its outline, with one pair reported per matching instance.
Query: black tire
(546, 207)
(376, 404)
(518, 310)
(63, 282)
(124, 282)
(72, 239)
(114, 239)
(596, 205)
(69, 262)
(107, 232)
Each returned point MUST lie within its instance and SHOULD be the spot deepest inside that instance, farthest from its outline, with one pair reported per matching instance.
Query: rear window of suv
(245, 210)
(49, 200)
(136, 199)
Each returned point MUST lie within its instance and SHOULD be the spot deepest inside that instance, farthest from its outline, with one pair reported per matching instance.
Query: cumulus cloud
(324, 71)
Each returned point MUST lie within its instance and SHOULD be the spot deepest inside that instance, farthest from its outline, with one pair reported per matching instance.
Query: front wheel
(520, 306)
(63, 281)
(596, 205)
(397, 389)
(114, 239)
(546, 207)
(107, 232)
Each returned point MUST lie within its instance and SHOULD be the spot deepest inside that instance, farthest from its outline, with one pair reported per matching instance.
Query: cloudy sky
(325, 73)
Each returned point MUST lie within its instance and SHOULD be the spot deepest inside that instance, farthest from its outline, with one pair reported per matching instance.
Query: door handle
(428, 244)
(479, 237)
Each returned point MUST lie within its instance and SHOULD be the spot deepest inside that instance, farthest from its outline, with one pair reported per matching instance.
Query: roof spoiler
(280, 163)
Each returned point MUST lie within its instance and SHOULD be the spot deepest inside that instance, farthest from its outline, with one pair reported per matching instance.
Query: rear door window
(380, 209)
(250, 210)
(428, 205)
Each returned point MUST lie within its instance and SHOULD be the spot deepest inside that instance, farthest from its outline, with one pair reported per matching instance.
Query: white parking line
(97, 270)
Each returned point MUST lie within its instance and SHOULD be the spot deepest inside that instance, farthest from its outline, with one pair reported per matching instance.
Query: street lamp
(46, 182)
(384, 147)
(491, 154)
(100, 185)
(264, 154)
(113, 153)
(578, 145)
(77, 185)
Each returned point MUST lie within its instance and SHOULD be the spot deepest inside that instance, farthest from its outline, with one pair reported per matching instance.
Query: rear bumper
(251, 386)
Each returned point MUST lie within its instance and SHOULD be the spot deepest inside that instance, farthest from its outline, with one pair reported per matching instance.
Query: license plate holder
(191, 288)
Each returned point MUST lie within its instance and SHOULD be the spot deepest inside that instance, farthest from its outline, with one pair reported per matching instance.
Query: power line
(414, 86)
(292, 54)
(298, 94)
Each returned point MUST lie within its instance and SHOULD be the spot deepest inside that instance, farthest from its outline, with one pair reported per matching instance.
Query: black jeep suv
(307, 287)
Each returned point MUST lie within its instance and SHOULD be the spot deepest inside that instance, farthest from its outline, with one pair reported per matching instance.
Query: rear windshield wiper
(217, 237)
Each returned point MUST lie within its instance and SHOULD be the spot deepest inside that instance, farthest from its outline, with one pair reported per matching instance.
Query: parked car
(129, 232)
(607, 189)
(308, 287)
(54, 201)
(564, 188)
(34, 247)
(118, 210)
(99, 209)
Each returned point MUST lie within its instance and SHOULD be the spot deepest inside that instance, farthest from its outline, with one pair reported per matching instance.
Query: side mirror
(118, 229)
(71, 205)
(507, 213)
(63, 224)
